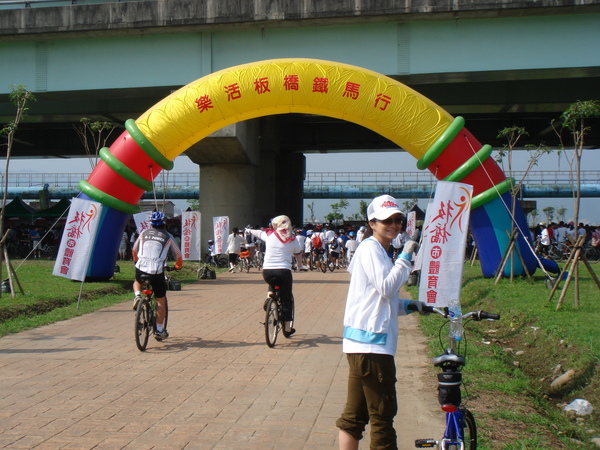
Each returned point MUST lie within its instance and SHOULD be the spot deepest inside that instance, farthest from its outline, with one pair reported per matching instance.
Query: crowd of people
(561, 233)
(33, 240)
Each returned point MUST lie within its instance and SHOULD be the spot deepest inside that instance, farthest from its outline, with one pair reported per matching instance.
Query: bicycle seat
(145, 278)
(449, 358)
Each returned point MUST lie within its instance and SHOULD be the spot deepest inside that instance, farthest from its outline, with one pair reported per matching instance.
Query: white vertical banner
(142, 221)
(442, 251)
(190, 235)
(78, 239)
(411, 223)
(221, 229)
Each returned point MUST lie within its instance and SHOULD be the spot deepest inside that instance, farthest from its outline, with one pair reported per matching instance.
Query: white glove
(410, 247)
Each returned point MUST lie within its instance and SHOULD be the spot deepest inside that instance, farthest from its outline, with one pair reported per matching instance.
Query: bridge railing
(71, 180)
(538, 177)
(417, 177)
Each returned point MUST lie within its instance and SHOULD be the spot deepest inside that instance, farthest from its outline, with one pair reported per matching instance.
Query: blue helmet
(157, 218)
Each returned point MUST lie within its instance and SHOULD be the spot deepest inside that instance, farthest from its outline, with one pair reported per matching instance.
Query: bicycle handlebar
(475, 315)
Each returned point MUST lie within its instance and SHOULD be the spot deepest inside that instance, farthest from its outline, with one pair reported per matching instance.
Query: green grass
(510, 394)
(48, 298)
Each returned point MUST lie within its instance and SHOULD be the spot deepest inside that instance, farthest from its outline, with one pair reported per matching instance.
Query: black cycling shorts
(157, 281)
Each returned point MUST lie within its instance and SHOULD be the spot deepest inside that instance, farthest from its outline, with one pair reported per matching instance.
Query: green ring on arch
(471, 164)
(106, 199)
(492, 193)
(441, 143)
(117, 166)
(147, 146)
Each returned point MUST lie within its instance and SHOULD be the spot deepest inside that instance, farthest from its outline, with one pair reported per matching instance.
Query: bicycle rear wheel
(272, 324)
(142, 325)
(324, 263)
(469, 432)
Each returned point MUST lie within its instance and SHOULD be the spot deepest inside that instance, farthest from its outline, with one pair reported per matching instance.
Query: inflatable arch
(438, 141)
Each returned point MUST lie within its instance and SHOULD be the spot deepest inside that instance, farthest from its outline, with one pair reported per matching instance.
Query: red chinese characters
(204, 103)
(352, 90)
(76, 230)
(382, 101)
(262, 85)
(188, 226)
(291, 82)
(320, 85)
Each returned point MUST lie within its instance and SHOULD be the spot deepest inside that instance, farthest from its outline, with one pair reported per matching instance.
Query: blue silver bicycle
(461, 429)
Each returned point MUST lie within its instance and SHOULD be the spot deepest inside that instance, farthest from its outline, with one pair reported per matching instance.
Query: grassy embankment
(512, 363)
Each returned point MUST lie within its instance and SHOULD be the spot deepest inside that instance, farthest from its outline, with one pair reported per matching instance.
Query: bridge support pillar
(266, 182)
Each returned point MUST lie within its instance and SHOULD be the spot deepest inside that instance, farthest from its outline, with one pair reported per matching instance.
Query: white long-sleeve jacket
(373, 302)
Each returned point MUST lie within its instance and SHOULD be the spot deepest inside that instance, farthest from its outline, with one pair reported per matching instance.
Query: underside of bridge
(489, 102)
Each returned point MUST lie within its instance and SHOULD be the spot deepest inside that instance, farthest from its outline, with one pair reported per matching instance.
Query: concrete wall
(128, 17)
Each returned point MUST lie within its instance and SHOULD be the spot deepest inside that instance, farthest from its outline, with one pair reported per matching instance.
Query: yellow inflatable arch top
(438, 141)
(293, 86)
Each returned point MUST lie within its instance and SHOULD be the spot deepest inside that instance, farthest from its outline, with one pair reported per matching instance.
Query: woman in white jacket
(371, 328)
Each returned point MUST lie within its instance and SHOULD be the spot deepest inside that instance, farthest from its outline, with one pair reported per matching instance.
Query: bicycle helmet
(211, 242)
(157, 218)
(351, 234)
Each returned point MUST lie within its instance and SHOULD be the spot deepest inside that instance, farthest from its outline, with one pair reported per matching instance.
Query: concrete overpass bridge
(497, 64)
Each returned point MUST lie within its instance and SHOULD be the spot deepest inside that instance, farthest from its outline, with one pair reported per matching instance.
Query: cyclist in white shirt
(281, 244)
(150, 252)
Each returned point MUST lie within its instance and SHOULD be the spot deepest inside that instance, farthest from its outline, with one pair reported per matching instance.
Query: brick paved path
(214, 384)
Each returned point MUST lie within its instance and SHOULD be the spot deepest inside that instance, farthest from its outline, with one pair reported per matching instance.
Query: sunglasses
(389, 221)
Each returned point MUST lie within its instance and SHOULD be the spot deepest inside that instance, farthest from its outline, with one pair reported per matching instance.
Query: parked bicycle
(273, 313)
(145, 313)
(216, 260)
(592, 253)
(461, 429)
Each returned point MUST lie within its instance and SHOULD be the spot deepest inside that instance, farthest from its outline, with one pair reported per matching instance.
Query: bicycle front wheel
(272, 324)
(142, 325)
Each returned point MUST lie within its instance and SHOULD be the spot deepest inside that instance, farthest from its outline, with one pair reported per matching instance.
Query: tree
(311, 208)
(362, 209)
(513, 135)
(575, 119)
(549, 212)
(94, 136)
(561, 213)
(336, 217)
(194, 203)
(408, 204)
(534, 213)
(20, 97)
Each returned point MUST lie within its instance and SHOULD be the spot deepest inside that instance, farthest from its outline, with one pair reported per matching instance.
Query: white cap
(383, 207)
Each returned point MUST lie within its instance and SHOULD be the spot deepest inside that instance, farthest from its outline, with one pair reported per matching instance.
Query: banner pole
(80, 291)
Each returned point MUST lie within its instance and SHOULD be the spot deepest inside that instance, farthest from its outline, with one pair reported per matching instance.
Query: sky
(355, 162)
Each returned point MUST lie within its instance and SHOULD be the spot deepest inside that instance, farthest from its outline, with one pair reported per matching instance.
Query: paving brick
(214, 383)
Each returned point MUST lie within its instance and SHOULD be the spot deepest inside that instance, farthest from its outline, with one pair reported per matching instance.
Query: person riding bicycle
(281, 244)
(370, 334)
(150, 252)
